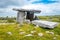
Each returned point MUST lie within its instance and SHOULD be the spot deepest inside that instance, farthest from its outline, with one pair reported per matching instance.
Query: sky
(47, 7)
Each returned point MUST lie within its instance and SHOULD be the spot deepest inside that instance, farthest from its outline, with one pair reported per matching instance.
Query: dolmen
(45, 24)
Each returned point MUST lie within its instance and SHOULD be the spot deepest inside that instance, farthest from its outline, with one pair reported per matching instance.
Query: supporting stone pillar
(20, 17)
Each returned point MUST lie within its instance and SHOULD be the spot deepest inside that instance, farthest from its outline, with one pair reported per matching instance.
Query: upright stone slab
(20, 17)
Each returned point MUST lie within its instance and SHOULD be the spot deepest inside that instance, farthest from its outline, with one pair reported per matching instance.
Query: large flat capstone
(45, 24)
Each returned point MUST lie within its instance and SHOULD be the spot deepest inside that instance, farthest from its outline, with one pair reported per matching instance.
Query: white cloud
(45, 8)
(5, 3)
(8, 11)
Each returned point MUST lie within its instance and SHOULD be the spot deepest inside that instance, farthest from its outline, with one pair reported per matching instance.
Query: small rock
(29, 35)
(52, 33)
(33, 31)
(9, 33)
(40, 34)
(49, 32)
(27, 21)
(37, 26)
(22, 33)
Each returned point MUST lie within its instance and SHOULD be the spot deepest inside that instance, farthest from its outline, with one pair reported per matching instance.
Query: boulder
(45, 24)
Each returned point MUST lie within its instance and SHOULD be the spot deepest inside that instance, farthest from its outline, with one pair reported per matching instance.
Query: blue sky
(45, 1)
(47, 7)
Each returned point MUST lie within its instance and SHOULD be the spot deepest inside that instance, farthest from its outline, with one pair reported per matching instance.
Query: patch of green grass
(15, 29)
(2, 21)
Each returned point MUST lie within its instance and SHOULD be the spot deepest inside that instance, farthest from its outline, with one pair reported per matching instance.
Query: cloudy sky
(47, 7)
